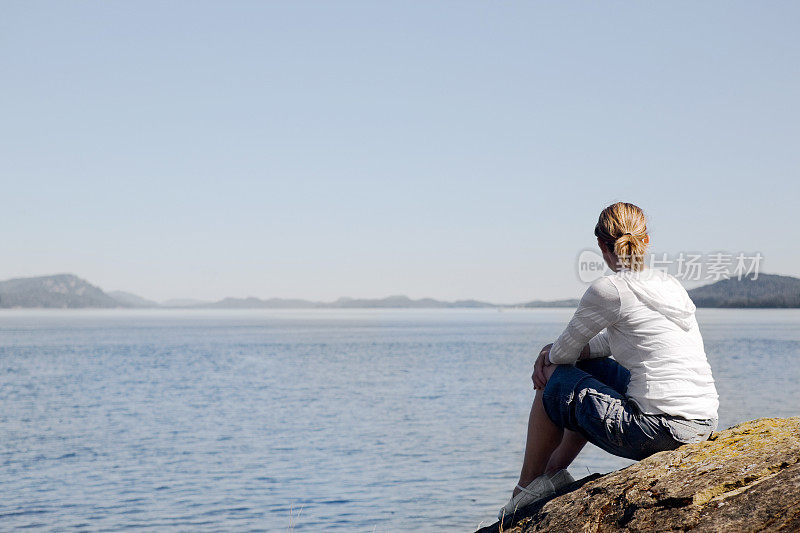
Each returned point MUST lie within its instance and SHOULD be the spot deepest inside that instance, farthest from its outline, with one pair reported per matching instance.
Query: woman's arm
(598, 346)
(599, 308)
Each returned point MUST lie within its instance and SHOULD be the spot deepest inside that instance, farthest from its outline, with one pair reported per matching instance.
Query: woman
(656, 394)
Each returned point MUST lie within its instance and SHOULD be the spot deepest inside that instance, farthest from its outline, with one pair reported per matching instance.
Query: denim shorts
(589, 398)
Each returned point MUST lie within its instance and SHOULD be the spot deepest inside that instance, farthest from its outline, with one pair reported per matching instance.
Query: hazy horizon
(449, 150)
(190, 300)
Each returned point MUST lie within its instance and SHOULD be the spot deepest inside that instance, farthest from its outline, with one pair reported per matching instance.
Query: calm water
(362, 420)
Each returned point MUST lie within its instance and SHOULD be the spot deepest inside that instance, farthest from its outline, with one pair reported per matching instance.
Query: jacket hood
(663, 293)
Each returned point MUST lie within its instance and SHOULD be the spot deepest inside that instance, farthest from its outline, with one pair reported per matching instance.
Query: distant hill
(571, 302)
(767, 290)
(128, 299)
(59, 291)
(256, 303)
(184, 302)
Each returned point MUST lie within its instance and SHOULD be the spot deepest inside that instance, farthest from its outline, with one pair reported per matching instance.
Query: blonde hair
(622, 227)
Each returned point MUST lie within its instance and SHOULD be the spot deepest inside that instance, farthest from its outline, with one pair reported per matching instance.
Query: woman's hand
(538, 377)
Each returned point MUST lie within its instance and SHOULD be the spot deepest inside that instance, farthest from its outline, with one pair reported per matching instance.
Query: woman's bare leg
(571, 445)
(543, 438)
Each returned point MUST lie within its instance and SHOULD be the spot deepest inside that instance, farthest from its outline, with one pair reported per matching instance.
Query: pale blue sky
(444, 149)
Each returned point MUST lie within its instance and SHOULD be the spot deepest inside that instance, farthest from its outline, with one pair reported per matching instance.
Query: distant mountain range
(70, 291)
(768, 290)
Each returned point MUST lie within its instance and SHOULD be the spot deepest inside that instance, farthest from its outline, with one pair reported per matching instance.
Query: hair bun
(621, 220)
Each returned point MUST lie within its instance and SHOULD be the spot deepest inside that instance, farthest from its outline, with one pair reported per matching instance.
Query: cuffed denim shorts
(589, 398)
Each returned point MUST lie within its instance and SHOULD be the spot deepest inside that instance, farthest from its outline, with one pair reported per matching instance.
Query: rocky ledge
(746, 478)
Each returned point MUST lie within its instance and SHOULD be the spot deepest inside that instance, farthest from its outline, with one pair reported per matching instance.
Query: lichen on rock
(746, 478)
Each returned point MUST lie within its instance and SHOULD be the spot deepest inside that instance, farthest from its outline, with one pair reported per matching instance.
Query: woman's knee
(558, 393)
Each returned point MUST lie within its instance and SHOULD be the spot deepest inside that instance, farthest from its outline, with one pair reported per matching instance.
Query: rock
(746, 478)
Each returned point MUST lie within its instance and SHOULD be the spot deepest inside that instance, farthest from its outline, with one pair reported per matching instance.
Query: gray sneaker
(539, 488)
(561, 479)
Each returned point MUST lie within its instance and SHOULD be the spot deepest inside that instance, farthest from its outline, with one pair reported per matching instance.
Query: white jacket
(651, 330)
